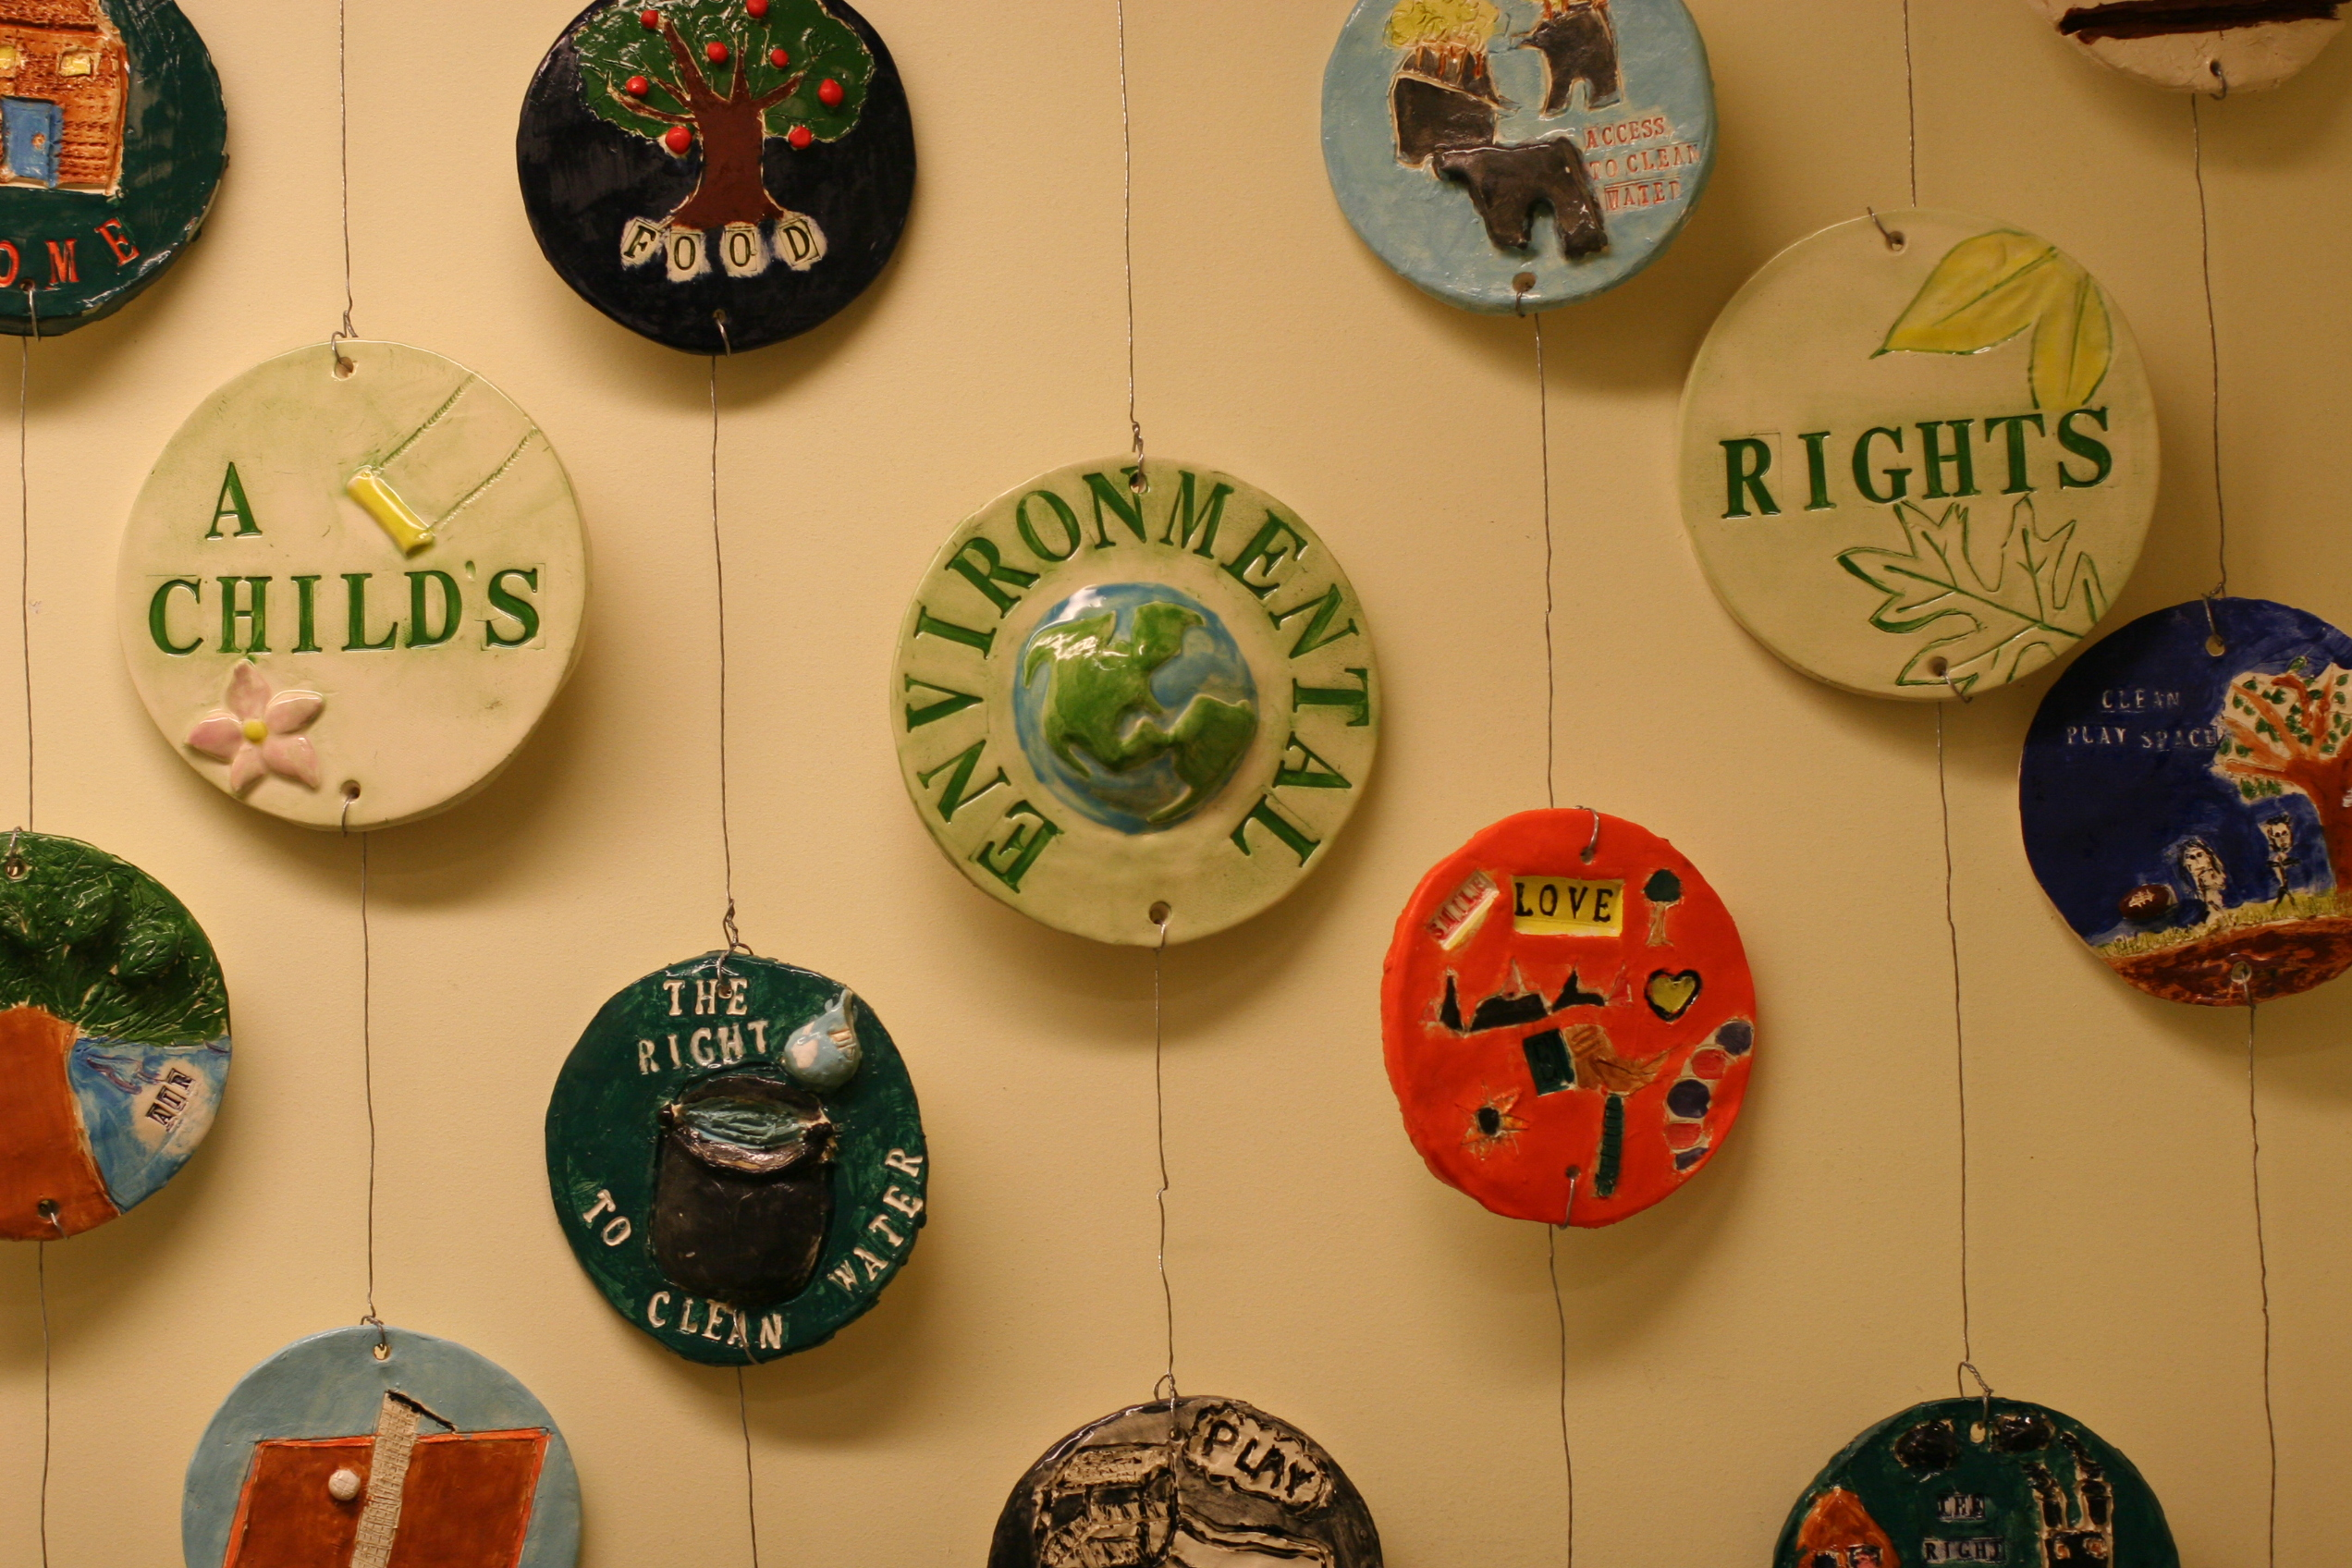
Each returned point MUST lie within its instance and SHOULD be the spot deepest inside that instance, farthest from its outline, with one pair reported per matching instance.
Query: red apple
(715, 52)
(800, 138)
(677, 139)
(638, 87)
(758, 8)
(830, 94)
(652, 18)
(780, 58)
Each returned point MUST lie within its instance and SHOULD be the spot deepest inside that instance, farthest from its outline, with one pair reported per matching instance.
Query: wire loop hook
(1970, 1368)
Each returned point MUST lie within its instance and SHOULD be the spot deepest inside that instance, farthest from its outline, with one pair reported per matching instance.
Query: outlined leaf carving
(1989, 289)
(1995, 603)
(2073, 344)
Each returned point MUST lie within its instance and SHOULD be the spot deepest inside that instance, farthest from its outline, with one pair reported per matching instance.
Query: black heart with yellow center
(1670, 994)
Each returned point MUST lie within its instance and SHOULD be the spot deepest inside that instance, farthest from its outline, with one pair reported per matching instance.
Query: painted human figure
(2278, 834)
(2203, 868)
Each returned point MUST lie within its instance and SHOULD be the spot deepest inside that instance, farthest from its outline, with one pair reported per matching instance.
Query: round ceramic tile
(2187, 808)
(1212, 1481)
(1107, 701)
(111, 142)
(717, 174)
(736, 1157)
(1518, 154)
(114, 1037)
(371, 581)
(2237, 45)
(1977, 1480)
(1919, 471)
(1569, 1018)
(429, 1452)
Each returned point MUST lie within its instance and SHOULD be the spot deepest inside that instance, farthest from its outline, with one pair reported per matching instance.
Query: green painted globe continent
(1137, 724)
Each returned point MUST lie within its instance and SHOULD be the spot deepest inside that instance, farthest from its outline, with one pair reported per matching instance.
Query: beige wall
(1722, 1346)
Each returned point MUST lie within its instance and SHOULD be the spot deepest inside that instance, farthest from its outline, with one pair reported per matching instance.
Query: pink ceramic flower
(256, 733)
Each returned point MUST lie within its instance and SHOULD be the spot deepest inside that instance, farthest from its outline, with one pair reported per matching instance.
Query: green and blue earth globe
(1135, 705)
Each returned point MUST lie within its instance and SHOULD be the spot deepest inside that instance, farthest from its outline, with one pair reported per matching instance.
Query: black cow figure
(1578, 43)
(1506, 184)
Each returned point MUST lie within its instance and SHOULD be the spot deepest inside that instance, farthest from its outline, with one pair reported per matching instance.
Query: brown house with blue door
(65, 75)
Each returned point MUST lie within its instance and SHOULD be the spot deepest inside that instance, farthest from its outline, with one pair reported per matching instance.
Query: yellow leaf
(1984, 292)
(2073, 344)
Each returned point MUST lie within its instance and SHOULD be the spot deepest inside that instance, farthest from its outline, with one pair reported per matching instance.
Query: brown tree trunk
(734, 186)
(44, 1154)
(2323, 784)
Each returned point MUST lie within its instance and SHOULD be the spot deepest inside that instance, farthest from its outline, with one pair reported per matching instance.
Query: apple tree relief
(717, 173)
(724, 77)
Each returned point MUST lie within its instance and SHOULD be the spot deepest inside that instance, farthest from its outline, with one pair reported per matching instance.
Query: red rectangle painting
(465, 1503)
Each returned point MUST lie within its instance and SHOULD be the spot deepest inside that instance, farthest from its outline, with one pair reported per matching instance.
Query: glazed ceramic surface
(1978, 1480)
(736, 1156)
(1211, 1482)
(1568, 1017)
(111, 142)
(114, 1037)
(2189, 810)
(326, 1454)
(2198, 46)
(1109, 699)
(352, 591)
(717, 173)
(1518, 154)
(1919, 470)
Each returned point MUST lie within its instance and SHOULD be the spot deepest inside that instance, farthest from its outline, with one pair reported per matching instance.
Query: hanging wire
(1559, 1313)
(1127, 239)
(1959, 1036)
(718, 567)
(2242, 975)
(40, 1283)
(1984, 1391)
(2212, 325)
(343, 105)
(1521, 284)
(726, 847)
(367, 1064)
(1159, 1133)
(1944, 811)
(751, 1493)
(1166, 1387)
(1911, 105)
(1551, 687)
(2261, 1263)
(1160, 912)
